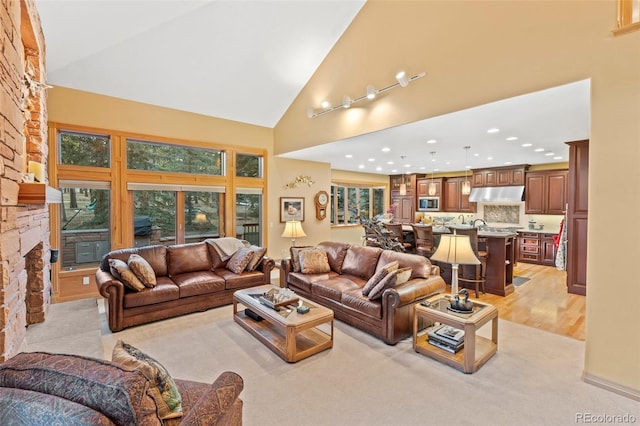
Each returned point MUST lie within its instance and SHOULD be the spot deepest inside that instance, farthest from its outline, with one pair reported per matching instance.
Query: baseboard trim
(623, 390)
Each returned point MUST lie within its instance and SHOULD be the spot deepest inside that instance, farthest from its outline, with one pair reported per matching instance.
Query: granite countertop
(541, 231)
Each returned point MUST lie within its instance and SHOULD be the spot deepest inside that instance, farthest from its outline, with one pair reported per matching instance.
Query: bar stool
(396, 230)
(479, 272)
(423, 236)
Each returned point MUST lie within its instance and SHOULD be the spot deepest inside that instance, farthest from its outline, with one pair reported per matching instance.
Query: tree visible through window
(83, 149)
(173, 158)
(351, 202)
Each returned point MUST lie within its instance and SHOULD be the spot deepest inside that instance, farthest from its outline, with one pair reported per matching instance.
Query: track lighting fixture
(402, 81)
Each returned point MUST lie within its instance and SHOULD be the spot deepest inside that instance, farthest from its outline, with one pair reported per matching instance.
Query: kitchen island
(500, 246)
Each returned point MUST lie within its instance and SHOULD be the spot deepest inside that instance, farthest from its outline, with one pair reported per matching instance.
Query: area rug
(520, 280)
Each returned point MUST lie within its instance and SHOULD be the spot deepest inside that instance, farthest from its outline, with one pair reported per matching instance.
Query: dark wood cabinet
(405, 208)
(577, 217)
(422, 187)
(546, 192)
(500, 176)
(409, 180)
(535, 247)
(453, 199)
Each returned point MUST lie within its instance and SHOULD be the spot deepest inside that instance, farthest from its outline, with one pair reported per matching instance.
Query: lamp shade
(455, 249)
(293, 229)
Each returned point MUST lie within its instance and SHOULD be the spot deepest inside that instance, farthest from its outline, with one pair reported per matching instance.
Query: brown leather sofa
(190, 278)
(391, 317)
(40, 388)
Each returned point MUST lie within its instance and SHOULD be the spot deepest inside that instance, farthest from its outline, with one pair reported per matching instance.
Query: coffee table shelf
(477, 349)
(292, 337)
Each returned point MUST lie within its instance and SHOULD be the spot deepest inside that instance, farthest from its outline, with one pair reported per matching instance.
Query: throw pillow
(258, 254)
(143, 270)
(379, 276)
(403, 275)
(295, 258)
(240, 260)
(162, 387)
(313, 261)
(122, 272)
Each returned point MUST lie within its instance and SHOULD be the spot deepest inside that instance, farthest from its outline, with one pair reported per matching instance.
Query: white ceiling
(247, 61)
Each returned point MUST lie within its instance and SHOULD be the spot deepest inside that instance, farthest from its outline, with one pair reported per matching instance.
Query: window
(173, 158)
(154, 217)
(84, 149)
(628, 16)
(349, 202)
(201, 215)
(84, 223)
(248, 165)
(249, 215)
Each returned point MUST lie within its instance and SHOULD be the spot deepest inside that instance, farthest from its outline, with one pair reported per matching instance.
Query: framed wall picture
(291, 209)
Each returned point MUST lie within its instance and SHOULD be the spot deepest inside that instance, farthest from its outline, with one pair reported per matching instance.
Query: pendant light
(403, 186)
(466, 185)
(432, 190)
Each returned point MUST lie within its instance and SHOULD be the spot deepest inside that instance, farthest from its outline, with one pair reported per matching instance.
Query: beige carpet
(533, 379)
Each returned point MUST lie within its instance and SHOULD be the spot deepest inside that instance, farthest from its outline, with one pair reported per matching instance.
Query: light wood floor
(542, 302)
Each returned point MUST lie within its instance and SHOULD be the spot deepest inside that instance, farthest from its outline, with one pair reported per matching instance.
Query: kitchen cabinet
(453, 199)
(500, 176)
(422, 187)
(396, 180)
(536, 247)
(405, 208)
(577, 217)
(546, 192)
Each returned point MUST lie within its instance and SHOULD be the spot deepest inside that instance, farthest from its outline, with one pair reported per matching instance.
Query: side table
(477, 349)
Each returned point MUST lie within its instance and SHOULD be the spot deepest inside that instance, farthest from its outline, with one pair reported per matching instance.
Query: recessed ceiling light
(325, 104)
(361, 166)
(512, 138)
(549, 153)
(348, 156)
(508, 162)
(436, 170)
(448, 163)
(539, 149)
(476, 155)
(557, 158)
(422, 168)
(526, 145)
(378, 169)
(389, 162)
(489, 158)
(407, 165)
(432, 141)
(394, 171)
(493, 130)
(371, 159)
(386, 149)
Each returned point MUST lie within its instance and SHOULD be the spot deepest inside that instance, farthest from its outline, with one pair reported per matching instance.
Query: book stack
(445, 337)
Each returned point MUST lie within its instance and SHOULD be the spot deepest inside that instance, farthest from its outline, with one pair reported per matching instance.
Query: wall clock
(322, 201)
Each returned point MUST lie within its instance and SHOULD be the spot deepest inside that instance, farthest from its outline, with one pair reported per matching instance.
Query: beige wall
(478, 52)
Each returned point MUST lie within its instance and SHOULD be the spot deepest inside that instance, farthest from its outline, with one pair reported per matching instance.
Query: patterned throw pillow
(143, 270)
(122, 272)
(399, 276)
(162, 387)
(314, 261)
(240, 260)
(258, 254)
(295, 258)
(379, 276)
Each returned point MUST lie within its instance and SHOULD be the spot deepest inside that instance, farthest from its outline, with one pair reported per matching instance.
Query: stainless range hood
(497, 194)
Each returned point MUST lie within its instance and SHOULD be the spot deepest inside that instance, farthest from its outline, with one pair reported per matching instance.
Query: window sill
(627, 29)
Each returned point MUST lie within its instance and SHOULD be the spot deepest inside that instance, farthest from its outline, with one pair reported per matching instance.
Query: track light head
(371, 92)
(346, 102)
(402, 79)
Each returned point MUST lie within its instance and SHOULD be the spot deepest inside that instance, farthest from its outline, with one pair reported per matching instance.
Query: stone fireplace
(25, 279)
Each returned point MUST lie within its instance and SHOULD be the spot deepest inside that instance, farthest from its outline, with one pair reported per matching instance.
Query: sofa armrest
(113, 291)
(285, 269)
(435, 270)
(221, 404)
(413, 291)
(266, 265)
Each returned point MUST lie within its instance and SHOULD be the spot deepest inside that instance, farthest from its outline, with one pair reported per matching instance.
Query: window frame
(358, 187)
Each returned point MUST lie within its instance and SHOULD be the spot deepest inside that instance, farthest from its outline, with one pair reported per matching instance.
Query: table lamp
(293, 229)
(456, 250)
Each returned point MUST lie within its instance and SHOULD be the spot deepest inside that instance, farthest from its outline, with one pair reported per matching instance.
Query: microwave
(428, 204)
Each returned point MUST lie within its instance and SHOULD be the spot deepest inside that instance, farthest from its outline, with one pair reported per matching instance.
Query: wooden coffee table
(477, 349)
(291, 335)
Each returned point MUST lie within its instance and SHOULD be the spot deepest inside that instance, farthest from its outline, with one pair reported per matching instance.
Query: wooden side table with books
(445, 345)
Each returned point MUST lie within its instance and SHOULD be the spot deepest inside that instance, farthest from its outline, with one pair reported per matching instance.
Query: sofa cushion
(122, 272)
(333, 288)
(214, 256)
(335, 253)
(379, 276)
(201, 282)
(420, 265)
(314, 261)
(118, 393)
(142, 269)
(25, 407)
(163, 389)
(355, 300)
(303, 281)
(164, 291)
(361, 261)
(243, 280)
(240, 260)
(295, 259)
(155, 255)
(183, 258)
(258, 254)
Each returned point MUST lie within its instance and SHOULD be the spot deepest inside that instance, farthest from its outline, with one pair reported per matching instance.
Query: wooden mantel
(38, 193)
